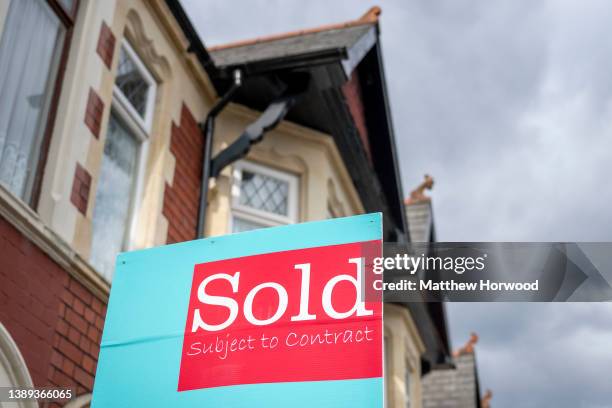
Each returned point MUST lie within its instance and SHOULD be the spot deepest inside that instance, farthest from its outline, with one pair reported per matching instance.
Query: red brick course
(182, 197)
(77, 337)
(106, 45)
(93, 112)
(81, 186)
(55, 321)
(29, 287)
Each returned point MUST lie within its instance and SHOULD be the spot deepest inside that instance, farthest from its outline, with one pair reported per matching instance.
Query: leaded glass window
(131, 82)
(113, 195)
(264, 193)
(262, 197)
(135, 86)
(120, 177)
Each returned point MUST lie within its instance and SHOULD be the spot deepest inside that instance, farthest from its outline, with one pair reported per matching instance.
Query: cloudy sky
(508, 104)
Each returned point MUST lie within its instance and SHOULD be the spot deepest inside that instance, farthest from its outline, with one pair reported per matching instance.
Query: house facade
(102, 151)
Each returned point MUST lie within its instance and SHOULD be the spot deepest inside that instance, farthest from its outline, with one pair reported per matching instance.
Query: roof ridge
(369, 17)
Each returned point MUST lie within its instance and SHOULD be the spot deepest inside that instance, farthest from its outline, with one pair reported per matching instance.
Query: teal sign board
(266, 318)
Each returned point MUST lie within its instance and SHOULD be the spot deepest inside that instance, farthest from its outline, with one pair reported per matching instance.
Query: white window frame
(146, 121)
(140, 130)
(265, 218)
(142, 138)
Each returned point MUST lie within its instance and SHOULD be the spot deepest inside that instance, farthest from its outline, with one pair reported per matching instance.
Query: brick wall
(55, 321)
(182, 197)
(30, 290)
(76, 341)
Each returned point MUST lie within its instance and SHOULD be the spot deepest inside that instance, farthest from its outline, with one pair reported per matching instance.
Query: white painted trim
(139, 129)
(82, 401)
(135, 195)
(122, 108)
(146, 121)
(358, 51)
(142, 138)
(136, 202)
(259, 216)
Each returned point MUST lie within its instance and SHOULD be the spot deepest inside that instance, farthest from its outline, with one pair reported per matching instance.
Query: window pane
(29, 52)
(264, 193)
(241, 225)
(113, 196)
(132, 84)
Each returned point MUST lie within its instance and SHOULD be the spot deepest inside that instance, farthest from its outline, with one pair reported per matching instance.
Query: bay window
(120, 174)
(32, 44)
(262, 197)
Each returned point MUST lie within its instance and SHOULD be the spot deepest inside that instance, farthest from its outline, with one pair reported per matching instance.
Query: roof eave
(196, 45)
(332, 68)
(378, 108)
(296, 62)
(344, 58)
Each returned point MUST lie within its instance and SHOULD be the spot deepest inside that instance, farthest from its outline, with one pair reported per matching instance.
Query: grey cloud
(508, 104)
(538, 354)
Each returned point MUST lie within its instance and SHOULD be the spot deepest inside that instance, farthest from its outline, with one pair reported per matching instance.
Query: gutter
(296, 85)
(208, 127)
(208, 130)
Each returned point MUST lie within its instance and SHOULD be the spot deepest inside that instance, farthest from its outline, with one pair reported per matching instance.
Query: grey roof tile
(292, 45)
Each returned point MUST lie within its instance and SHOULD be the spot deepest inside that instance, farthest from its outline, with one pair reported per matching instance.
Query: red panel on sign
(282, 317)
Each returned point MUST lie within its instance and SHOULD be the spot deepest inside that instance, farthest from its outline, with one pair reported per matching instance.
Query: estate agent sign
(273, 317)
